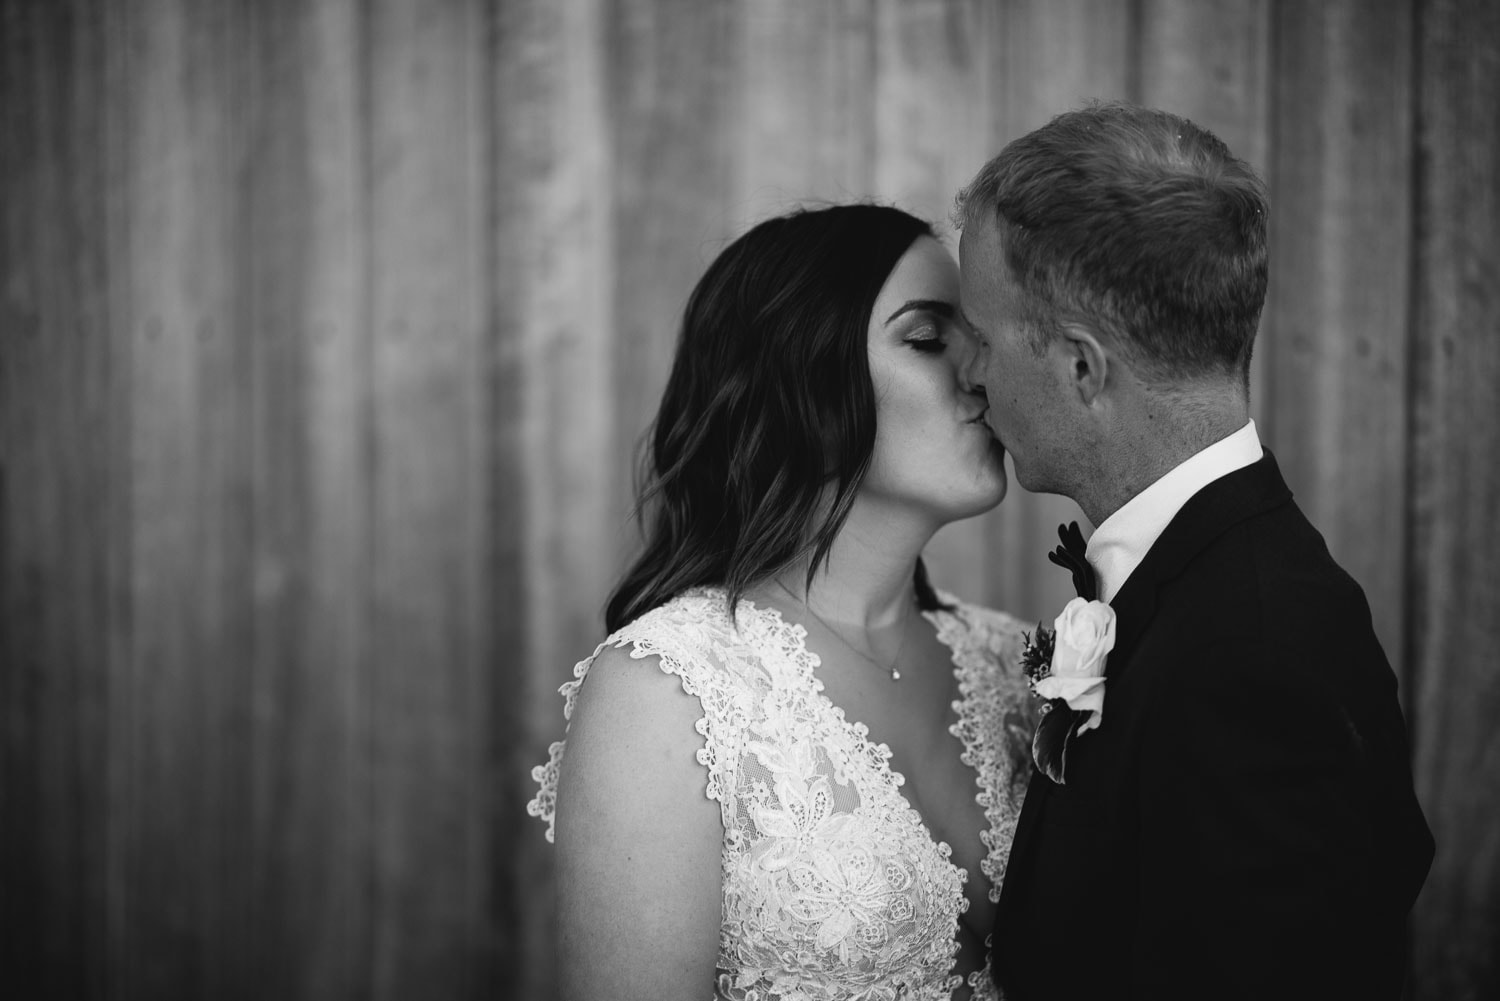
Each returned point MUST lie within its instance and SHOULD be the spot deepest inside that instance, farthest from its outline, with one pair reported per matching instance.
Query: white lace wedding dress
(833, 886)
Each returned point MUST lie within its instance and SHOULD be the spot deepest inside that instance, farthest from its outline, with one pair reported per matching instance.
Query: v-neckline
(862, 747)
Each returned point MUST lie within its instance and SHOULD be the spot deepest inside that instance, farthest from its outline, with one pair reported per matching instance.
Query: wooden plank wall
(1339, 310)
(1453, 593)
(328, 329)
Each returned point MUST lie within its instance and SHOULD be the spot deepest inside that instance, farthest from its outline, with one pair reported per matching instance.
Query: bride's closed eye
(927, 339)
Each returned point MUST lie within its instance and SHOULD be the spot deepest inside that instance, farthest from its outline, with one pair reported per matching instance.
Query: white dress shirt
(1117, 547)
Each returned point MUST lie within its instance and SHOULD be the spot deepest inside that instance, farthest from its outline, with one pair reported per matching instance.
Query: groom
(1241, 821)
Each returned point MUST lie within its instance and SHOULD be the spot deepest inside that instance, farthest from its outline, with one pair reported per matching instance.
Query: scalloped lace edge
(544, 804)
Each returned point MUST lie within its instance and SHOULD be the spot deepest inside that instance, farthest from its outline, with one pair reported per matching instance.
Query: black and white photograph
(755, 500)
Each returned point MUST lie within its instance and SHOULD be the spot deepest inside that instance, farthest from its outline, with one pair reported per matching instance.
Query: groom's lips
(982, 421)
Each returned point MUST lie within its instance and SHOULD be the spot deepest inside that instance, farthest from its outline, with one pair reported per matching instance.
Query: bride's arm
(638, 841)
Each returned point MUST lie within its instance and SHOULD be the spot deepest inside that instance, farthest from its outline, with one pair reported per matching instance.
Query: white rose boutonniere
(1065, 666)
(1083, 636)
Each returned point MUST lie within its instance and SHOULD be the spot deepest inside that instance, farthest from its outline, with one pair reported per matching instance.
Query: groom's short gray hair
(1138, 223)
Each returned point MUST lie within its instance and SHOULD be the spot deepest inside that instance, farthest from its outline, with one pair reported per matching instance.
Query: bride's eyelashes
(926, 339)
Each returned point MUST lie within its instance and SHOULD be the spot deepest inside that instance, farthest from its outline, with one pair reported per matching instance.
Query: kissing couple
(798, 769)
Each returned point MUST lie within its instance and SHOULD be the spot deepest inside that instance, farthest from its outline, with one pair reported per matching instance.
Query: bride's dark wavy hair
(769, 405)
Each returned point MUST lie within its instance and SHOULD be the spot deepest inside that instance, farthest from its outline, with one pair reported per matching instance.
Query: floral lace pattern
(833, 886)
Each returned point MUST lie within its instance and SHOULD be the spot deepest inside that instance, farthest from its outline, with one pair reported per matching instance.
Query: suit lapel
(1208, 514)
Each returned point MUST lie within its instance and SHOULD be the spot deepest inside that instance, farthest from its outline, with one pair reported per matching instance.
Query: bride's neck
(866, 581)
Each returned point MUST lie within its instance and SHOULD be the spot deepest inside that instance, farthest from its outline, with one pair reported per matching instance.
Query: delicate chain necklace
(892, 667)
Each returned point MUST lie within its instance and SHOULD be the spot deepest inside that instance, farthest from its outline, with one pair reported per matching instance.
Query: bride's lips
(979, 421)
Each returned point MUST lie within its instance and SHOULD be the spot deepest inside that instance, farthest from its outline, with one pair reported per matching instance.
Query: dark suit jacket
(1243, 824)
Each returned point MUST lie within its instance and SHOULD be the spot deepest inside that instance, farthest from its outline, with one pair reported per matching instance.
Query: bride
(794, 767)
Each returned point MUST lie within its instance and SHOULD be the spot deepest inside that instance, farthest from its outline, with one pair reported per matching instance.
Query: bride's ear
(1087, 361)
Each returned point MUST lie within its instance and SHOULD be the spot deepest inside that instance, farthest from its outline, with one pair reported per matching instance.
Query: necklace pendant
(895, 674)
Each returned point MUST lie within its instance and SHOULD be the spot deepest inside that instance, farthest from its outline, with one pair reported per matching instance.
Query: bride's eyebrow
(935, 306)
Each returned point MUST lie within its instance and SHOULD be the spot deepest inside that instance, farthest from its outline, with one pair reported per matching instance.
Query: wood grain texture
(430, 676)
(181, 704)
(56, 627)
(1455, 491)
(1053, 55)
(1337, 312)
(328, 331)
(311, 499)
(803, 128)
(119, 340)
(563, 520)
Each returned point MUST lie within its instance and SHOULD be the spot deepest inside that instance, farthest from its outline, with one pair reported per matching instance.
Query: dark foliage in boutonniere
(1036, 655)
(1054, 728)
(1072, 557)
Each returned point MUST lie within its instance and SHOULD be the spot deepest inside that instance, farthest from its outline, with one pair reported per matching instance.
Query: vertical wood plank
(183, 699)
(1455, 491)
(933, 76)
(21, 817)
(429, 619)
(562, 522)
(117, 242)
(55, 414)
(1211, 62)
(24, 540)
(311, 475)
(1340, 276)
(803, 130)
(672, 83)
(1051, 57)
(1054, 56)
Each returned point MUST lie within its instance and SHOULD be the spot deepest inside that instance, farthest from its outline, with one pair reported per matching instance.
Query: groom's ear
(1087, 361)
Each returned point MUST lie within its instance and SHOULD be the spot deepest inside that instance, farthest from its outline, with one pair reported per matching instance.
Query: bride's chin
(988, 493)
(994, 467)
(1000, 483)
(998, 495)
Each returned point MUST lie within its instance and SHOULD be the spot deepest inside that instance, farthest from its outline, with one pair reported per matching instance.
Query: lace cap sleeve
(685, 639)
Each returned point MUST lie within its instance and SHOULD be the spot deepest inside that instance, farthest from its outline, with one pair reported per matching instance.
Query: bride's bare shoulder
(646, 681)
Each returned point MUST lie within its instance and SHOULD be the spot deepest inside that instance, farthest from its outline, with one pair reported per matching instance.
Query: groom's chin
(1027, 478)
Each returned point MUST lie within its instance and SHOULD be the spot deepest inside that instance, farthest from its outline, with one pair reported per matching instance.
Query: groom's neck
(1166, 431)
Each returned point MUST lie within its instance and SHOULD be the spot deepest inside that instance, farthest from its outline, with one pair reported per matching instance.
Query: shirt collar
(1117, 547)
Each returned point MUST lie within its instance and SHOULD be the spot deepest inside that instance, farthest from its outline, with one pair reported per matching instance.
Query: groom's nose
(970, 370)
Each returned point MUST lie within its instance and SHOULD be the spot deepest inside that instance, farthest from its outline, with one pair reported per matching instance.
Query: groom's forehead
(968, 241)
(980, 238)
(969, 255)
(982, 270)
